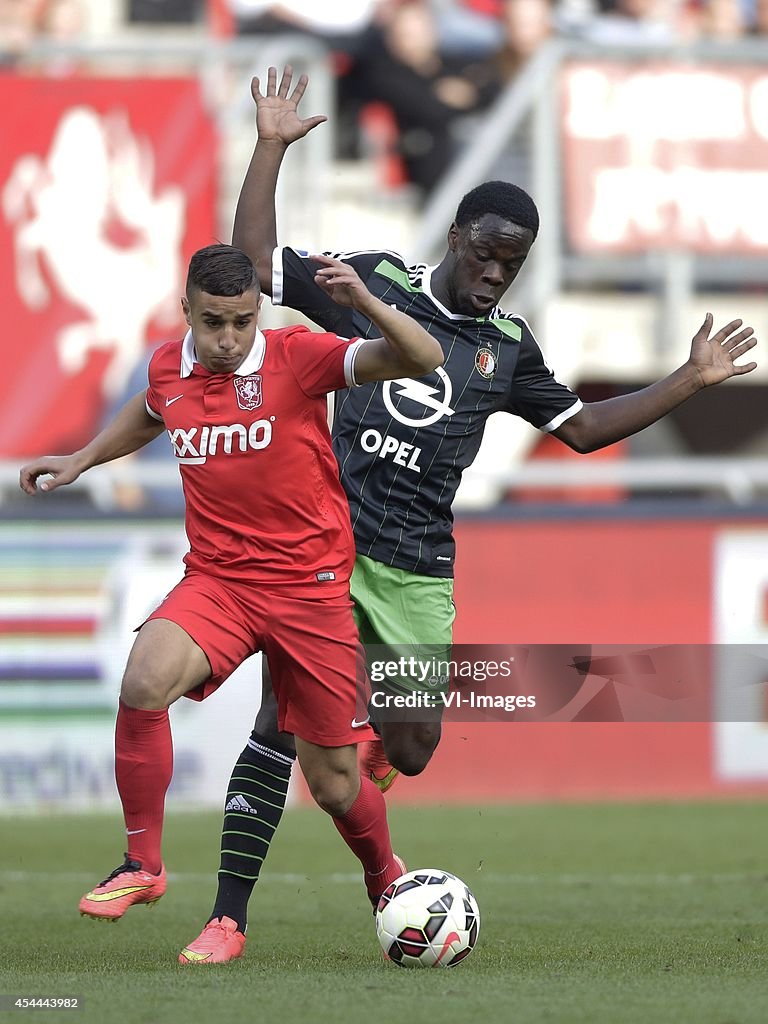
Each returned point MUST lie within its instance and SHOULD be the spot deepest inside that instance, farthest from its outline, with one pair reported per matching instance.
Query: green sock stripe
(249, 817)
(277, 792)
(248, 835)
(262, 771)
(250, 856)
(262, 778)
(236, 874)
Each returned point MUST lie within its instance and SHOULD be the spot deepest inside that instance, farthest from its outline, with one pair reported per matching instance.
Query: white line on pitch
(496, 878)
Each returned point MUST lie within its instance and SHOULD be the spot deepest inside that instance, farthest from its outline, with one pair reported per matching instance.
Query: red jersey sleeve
(152, 400)
(321, 362)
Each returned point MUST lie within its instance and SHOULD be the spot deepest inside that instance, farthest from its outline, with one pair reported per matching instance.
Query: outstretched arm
(278, 125)
(130, 430)
(711, 361)
(404, 349)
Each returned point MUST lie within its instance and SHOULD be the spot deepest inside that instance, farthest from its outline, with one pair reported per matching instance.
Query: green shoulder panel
(509, 328)
(393, 273)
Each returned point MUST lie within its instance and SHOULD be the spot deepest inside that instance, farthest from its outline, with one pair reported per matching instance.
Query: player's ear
(261, 299)
(453, 237)
(185, 309)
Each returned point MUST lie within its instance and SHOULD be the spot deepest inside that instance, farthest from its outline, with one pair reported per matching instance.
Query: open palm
(714, 357)
(277, 117)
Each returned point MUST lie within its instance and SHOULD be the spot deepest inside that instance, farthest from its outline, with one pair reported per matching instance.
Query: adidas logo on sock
(239, 803)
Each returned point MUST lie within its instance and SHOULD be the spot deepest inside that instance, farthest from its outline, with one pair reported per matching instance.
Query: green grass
(604, 914)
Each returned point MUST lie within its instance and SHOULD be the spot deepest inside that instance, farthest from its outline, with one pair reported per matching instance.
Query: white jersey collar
(251, 363)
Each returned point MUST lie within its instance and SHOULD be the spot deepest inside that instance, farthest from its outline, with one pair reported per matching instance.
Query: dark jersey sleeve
(535, 394)
(293, 285)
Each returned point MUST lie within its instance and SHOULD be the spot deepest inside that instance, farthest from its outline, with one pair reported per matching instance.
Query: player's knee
(333, 792)
(145, 689)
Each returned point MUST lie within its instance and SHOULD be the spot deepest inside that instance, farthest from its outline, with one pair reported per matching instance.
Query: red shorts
(311, 644)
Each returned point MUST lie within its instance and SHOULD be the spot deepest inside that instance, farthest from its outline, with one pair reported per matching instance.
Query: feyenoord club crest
(485, 363)
(248, 391)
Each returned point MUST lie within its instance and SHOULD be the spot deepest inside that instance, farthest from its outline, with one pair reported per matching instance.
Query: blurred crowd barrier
(72, 593)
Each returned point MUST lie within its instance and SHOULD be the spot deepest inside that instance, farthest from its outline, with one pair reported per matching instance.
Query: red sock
(143, 770)
(365, 830)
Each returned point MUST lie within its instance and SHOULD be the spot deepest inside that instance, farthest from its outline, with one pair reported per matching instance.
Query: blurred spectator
(572, 15)
(633, 22)
(468, 27)
(400, 65)
(523, 27)
(339, 21)
(166, 12)
(527, 25)
(431, 93)
(61, 20)
(723, 20)
(760, 18)
(17, 26)
(23, 21)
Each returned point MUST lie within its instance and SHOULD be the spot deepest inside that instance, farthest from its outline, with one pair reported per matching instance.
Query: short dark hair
(507, 201)
(221, 270)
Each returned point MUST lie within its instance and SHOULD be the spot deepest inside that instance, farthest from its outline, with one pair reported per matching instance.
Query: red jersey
(261, 483)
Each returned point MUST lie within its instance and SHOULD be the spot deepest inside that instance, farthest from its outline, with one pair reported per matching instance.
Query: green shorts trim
(401, 614)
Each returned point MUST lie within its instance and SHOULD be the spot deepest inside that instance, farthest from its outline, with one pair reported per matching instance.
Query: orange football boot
(375, 766)
(219, 942)
(126, 886)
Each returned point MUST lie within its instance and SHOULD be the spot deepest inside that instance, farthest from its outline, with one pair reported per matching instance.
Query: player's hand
(277, 118)
(63, 469)
(714, 357)
(340, 281)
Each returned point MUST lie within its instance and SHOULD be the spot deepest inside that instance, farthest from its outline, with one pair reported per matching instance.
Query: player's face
(223, 326)
(487, 256)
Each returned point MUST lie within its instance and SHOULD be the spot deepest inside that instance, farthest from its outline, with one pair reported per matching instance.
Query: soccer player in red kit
(271, 550)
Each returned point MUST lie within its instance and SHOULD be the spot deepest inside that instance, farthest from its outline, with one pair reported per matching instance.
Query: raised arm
(711, 361)
(278, 125)
(130, 430)
(404, 348)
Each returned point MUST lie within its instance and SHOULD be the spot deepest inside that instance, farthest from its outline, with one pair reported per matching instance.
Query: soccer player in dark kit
(402, 446)
(271, 550)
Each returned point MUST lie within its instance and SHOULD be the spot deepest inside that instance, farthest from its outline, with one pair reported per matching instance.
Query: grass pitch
(606, 914)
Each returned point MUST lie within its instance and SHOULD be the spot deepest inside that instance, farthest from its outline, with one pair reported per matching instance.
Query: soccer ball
(427, 918)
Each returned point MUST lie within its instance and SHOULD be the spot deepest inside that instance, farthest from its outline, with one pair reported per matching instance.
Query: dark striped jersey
(403, 445)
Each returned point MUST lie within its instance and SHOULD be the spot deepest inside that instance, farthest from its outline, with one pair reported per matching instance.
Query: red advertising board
(666, 155)
(106, 188)
(613, 582)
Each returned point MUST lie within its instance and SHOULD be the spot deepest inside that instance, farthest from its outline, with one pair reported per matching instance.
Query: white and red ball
(427, 918)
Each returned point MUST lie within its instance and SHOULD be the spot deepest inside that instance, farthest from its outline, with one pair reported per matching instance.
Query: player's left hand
(714, 358)
(340, 281)
(277, 117)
